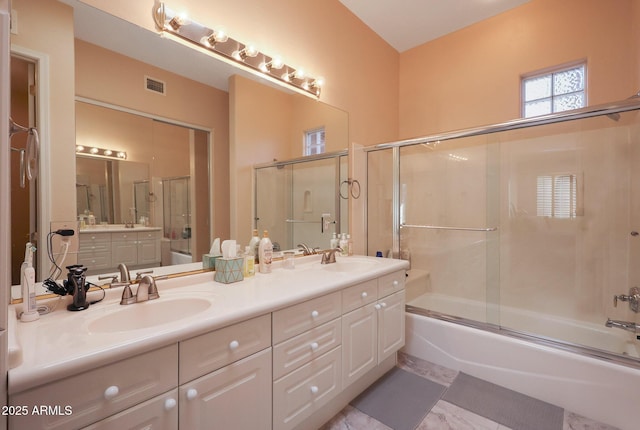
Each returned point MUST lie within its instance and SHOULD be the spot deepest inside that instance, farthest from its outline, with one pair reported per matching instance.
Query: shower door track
(538, 340)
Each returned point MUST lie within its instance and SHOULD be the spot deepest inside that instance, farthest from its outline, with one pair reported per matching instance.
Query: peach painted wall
(186, 101)
(472, 77)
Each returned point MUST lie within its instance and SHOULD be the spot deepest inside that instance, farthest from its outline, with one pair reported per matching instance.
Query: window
(555, 91)
(557, 196)
(314, 141)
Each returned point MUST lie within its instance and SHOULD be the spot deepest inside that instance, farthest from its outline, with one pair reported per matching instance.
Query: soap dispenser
(253, 244)
(344, 244)
(333, 243)
(265, 249)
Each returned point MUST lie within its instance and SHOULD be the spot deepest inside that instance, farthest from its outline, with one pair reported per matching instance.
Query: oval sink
(148, 314)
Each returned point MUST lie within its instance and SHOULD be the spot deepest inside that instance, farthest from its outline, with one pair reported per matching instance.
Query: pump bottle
(265, 249)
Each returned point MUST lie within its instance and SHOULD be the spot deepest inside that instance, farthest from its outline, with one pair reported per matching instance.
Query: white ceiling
(405, 24)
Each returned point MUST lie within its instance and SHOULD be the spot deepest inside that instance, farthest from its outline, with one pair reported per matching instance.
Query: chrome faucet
(624, 325)
(329, 256)
(147, 290)
(306, 250)
(124, 273)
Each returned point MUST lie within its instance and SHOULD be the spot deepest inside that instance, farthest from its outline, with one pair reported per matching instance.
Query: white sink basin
(148, 314)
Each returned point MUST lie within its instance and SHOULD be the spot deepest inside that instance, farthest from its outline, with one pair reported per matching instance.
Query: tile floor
(444, 415)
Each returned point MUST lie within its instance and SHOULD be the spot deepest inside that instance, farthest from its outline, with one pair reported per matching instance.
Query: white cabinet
(99, 393)
(94, 251)
(374, 331)
(135, 248)
(159, 413)
(237, 396)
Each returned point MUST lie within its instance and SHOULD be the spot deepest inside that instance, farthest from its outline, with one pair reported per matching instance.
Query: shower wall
(564, 201)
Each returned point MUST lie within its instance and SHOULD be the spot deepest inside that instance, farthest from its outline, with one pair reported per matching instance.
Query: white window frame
(550, 72)
(314, 141)
(558, 196)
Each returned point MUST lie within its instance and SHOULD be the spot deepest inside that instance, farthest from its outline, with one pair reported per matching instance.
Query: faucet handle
(143, 272)
(114, 278)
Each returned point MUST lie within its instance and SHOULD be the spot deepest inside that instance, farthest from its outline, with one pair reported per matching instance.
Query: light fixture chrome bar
(234, 52)
(440, 227)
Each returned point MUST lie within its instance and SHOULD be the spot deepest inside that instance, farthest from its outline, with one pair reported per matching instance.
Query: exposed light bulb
(79, 148)
(94, 150)
(108, 152)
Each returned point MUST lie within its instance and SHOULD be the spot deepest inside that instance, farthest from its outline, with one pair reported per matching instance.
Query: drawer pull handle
(192, 393)
(377, 306)
(364, 295)
(395, 283)
(383, 304)
(314, 389)
(315, 314)
(169, 404)
(314, 346)
(234, 344)
(111, 392)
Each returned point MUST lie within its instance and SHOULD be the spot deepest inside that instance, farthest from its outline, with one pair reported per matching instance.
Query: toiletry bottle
(333, 243)
(249, 262)
(343, 244)
(265, 249)
(253, 243)
(349, 245)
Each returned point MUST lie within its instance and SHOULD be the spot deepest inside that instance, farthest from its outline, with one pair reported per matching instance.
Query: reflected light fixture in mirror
(101, 152)
(244, 56)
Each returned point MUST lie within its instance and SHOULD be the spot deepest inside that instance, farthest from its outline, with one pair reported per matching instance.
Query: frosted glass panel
(539, 107)
(568, 102)
(569, 81)
(537, 88)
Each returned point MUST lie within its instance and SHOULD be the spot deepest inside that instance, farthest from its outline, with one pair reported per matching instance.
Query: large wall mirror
(115, 191)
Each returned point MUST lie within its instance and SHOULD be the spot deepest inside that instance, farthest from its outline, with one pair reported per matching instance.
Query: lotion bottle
(253, 244)
(28, 283)
(265, 249)
(249, 262)
(349, 245)
(333, 243)
(344, 244)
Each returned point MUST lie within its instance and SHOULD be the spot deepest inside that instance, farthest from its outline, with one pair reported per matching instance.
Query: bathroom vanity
(276, 351)
(102, 248)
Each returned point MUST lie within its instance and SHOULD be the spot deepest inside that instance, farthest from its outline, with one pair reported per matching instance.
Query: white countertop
(61, 343)
(116, 228)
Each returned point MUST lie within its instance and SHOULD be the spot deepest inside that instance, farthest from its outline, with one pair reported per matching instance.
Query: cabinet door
(390, 324)
(124, 251)
(237, 397)
(148, 251)
(359, 343)
(159, 413)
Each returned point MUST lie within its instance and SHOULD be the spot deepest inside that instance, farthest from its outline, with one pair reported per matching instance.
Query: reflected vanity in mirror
(119, 191)
(138, 206)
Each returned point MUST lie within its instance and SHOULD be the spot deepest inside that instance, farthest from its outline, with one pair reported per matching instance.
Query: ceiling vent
(154, 85)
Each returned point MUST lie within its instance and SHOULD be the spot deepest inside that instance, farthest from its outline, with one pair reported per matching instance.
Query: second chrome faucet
(147, 290)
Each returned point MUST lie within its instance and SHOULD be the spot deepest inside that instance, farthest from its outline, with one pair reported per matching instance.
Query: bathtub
(180, 258)
(593, 387)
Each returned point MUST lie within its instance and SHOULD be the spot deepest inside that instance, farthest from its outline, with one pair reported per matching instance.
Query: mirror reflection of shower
(298, 201)
(176, 206)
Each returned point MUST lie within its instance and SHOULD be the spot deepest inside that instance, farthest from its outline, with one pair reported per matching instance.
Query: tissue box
(229, 270)
(209, 261)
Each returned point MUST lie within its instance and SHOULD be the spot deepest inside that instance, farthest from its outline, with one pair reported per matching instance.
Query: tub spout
(624, 325)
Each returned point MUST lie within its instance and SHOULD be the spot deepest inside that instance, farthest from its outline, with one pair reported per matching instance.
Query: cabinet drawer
(159, 413)
(124, 236)
(149, 235)
(299, 350)
(94, 241)
(95, 260)
(211, 351)
(359, 295)
(391, 283)
(303, 391)
(296, 319)
(101, 392)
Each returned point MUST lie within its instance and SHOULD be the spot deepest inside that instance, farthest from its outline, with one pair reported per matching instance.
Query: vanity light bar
(94, 151)
(233, 52)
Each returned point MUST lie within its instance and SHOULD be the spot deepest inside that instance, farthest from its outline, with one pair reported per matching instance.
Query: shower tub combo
(520, 235)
